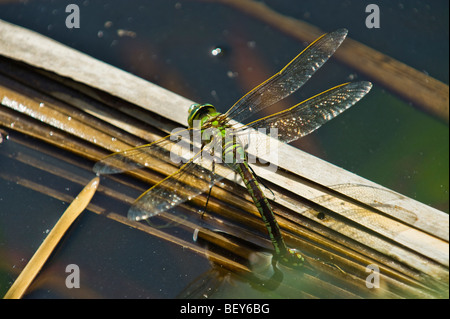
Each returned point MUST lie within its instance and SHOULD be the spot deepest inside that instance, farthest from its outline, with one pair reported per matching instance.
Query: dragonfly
(222, 140)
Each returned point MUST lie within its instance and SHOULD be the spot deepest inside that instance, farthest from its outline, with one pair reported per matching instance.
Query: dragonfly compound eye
(193, 107)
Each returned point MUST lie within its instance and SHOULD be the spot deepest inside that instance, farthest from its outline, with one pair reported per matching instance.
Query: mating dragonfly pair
(199, 172)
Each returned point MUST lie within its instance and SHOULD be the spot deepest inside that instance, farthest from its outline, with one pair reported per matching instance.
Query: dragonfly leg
(210, 189)
(207, 201)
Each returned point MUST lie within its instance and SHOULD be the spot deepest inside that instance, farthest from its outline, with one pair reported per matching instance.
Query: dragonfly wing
(172, 147)
(189, 181)
(290, 78)
(308, 115)
(192, 179)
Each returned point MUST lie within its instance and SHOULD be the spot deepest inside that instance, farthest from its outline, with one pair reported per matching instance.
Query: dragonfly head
(199, 111)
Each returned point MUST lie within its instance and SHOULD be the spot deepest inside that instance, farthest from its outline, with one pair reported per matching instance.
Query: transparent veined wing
(290, 78)
(171, 148)
(195, 177)
(304, 117)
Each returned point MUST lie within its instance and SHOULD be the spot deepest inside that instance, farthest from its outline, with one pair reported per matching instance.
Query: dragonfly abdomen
(263, 206)
(290, 257)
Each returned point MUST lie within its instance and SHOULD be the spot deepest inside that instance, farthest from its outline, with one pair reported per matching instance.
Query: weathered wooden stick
(41, 255)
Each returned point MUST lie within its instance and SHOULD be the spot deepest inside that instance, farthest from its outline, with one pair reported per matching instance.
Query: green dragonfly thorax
(214, 124)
